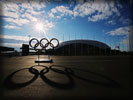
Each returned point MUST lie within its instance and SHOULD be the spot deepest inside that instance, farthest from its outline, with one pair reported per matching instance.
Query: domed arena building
(81, 47)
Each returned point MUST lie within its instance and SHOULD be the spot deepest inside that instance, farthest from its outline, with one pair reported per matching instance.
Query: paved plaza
(68, 77)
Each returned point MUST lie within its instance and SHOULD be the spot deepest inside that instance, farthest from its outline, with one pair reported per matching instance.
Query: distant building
(81, 47)
(5, 49)
(25, 49)
(76, 48)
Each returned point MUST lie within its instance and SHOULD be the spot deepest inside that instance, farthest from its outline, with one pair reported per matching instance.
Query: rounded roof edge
(89, 42)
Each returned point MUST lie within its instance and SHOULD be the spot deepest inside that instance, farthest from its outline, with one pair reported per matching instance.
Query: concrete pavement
(68, 77)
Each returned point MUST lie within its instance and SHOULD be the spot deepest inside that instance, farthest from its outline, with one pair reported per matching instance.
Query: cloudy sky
(105, 21)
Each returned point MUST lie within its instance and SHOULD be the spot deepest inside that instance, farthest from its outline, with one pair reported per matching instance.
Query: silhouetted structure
(82, 47)
(79, 48)
(25, 49)
(7, 51)
(2, 48)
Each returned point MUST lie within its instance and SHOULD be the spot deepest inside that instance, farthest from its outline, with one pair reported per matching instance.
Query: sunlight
(39, 26)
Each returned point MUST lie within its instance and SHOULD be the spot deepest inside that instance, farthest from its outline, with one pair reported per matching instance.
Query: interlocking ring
(52, 45)
(43, 45)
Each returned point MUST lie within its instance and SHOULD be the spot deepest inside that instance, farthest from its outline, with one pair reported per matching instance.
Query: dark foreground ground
(69, 78)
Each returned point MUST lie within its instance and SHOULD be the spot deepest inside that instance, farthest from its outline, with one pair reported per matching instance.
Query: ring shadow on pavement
(68, 85)
(108, 82)
(10, 84)
(69, 72)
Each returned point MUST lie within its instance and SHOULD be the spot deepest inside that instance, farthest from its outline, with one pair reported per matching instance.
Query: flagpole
(94, 44)
(69, 44)
(81, 44)
(88, 45)
(63, 46)
(105, 42)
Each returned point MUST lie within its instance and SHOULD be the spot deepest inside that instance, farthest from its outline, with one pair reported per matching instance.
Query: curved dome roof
(89, 42)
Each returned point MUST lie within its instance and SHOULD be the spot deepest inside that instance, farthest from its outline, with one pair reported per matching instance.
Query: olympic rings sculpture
(43, 45)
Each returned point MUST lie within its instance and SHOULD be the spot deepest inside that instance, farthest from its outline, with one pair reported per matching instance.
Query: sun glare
(39, 26)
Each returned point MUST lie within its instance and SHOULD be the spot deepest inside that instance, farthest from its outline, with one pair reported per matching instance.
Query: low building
(81, 47)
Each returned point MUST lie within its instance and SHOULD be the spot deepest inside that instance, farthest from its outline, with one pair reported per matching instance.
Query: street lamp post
(29, 37)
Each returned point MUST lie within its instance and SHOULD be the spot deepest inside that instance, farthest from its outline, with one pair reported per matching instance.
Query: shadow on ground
(69, 72)
(108, 82)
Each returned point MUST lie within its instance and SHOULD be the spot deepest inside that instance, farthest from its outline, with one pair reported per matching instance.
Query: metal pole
(127, 44)
(38, 59)
(81, 45)
(29, 37)
(88, 45)
(100, 49)
(69, 44)
(48, 57)
(110, 46)
(105, 43)
(94, 44)
(63, 41)
(115, 45)
(75, 45)
(123, 49)
(118, 45)
(29, 41)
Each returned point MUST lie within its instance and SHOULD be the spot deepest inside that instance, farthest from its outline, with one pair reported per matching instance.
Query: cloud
(122, 20)
(95, 10)
(23, 12)
(51, 15)
(125, 41)
(20, 12)
(120, 31)
(102, 10)
(23, 38)
(97, 17)
(53, 10)
(83, 9)
(11, 27)
(60, 11)
(11, 41)
(112, 22)
(38, 5)
(47, 25)
(9, 9)
(125, 21)
(14, 45)
(16, 21)
(29, 17)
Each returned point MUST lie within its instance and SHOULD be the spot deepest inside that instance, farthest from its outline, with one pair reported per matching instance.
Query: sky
(107, 21)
